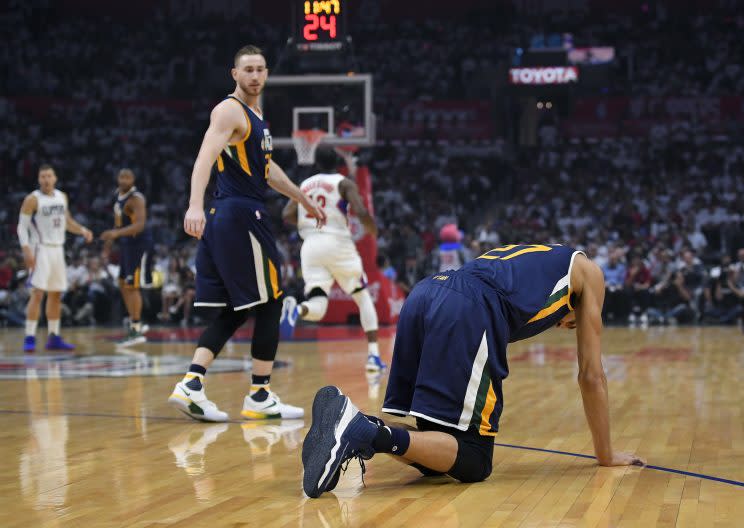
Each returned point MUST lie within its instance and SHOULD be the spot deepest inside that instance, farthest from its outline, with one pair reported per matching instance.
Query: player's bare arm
(280, 182)
(350, 192)
(289, 213)
(588, 284)
(226, 122)
(349, 160)
(74, 227)
(137, 209)
(28, 208)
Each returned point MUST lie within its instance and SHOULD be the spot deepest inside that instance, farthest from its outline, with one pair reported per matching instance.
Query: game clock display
(320, 24)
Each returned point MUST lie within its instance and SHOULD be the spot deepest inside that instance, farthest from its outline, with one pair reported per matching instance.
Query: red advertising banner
(632, 116)
(388, 298)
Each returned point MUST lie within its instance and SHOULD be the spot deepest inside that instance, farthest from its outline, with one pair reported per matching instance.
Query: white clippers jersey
(323, 189)
(50, 219)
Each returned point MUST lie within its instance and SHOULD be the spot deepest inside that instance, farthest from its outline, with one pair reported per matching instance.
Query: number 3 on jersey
(513, 250)
(320, 200)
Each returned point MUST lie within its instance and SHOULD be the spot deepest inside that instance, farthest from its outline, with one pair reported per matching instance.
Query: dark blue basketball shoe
(338, 433)
(29, 343)
(56, 342)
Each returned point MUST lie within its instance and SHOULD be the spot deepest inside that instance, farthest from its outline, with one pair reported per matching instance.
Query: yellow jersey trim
(557, 305)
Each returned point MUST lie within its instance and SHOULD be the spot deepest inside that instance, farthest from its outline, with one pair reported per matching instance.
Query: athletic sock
(53, 326)
(373, 349)
(260, 387)
(31, 327)
(136, 326)
(194, 377)
(197, 369)
(391, 440)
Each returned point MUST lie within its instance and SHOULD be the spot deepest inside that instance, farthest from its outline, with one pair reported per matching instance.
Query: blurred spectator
(616, 298)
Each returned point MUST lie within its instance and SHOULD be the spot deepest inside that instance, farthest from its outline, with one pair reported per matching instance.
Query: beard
(252, 90)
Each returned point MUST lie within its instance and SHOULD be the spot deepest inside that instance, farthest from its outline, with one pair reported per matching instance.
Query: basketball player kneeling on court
(450, 360)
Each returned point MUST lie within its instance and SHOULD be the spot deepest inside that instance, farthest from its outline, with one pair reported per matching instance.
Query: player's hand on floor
(624, 459)
(194, 221)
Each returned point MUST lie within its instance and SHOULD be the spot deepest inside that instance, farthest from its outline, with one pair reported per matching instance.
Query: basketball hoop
(305, 143)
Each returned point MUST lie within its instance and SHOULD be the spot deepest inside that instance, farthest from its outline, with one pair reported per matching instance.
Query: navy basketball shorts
(237, 262)
(135, 266)
(448, 348)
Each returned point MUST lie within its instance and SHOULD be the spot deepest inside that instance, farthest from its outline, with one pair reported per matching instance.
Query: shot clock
(320, 25)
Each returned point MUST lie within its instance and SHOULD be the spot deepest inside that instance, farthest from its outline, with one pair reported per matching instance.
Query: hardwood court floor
(109, 451)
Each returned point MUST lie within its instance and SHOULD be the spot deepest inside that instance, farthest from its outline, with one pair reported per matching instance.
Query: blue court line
(656, 468)
(512, 446)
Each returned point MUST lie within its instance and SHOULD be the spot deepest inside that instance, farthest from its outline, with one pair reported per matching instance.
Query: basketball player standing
(329, 253)
(237, 263)
(42, 223)
(135, 241)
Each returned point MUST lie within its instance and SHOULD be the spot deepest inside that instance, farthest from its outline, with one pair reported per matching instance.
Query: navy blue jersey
(532, 283)
(450, 347)
(242, 168)
(123, 219)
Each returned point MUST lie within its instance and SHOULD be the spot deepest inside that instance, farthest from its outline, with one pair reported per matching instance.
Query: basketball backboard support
(340, 105)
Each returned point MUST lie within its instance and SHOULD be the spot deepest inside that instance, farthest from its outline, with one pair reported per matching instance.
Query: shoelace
(358, 456)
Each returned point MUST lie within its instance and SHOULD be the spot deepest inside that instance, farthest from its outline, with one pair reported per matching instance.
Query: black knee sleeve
(221, 329)
(266, 332)
(316, 292)
(474, 461)
(426, 471)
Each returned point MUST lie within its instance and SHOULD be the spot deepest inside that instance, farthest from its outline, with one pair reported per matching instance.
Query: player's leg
(53, 314)
(318, 282)
(56, 284)
(261, 402)
(340, 432)
(39, 282)
(347, 269)
(132, 298)
(33, 310)
(135, 273)
(189, 395)
(435, 449)
(333, 413)
(368, 319)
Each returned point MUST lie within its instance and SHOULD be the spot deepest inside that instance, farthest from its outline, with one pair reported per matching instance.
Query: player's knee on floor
(316, 304)
(367, 312)
(265, 339)
(221, 329)
(474, 461)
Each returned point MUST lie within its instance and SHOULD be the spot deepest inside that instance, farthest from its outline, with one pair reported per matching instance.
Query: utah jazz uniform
(450, 349)
(237, 263)
(136, 251)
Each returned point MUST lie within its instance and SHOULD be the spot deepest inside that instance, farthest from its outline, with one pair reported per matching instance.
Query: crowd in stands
(663, 214)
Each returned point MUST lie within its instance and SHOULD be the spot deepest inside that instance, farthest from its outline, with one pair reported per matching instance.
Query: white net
(305, 143)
